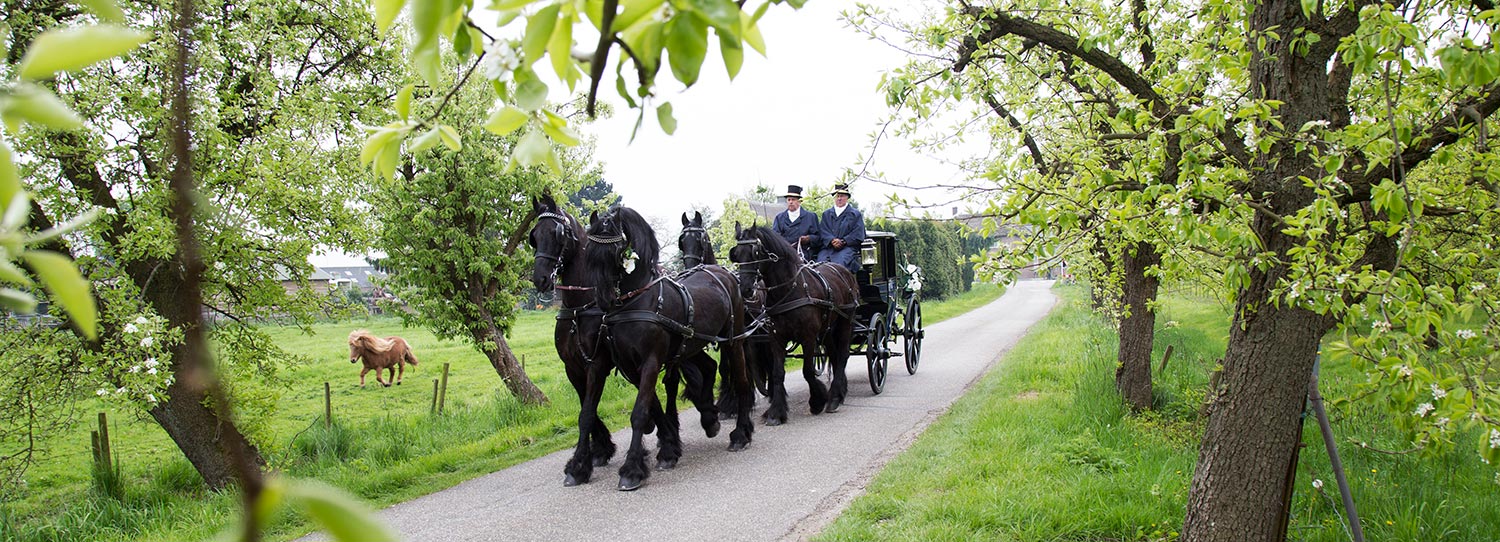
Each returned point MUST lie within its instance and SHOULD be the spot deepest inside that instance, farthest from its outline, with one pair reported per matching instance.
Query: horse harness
(785, 306)
(697, 259)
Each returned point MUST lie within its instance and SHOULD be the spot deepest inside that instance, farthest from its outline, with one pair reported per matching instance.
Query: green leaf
(17, 301)
(750, 29)
(646, 42)
(389, 158)
(557, 128)
(539, 29)
(68, 49)
(427, 60)
(33, 104)
(664, 118)
(344, 518)
(450, 137)
(734, 54)
(507, 5)
(425, 141)
(10, 178)
(531, 94)
(532, 149)
(403, 101)
(687, 44)
(62, 279)
(506, 120)
(1308, 6)
(386, 12)
(12, 274)
(15, 212)
(620, 86)
(633, 13)
(462, 44)
(64, 228)
(722, 14)
(107, 10)
(560, 50)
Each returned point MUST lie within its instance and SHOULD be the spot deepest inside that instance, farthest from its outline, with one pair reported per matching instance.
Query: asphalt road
(791, 483)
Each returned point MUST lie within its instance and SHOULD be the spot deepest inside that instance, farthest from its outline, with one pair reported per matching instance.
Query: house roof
(363, 276)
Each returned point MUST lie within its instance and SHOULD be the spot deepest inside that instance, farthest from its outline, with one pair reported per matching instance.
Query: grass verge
(1042, 449)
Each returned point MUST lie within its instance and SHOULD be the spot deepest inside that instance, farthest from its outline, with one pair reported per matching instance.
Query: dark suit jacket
(806, 224)
(850, 227)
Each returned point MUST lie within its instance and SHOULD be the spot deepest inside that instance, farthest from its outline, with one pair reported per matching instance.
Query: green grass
(384, 445)
(1042, 449)
(954, 305)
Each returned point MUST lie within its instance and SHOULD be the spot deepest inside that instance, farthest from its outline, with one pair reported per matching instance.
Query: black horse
(655, 323)
(695, 248)
(812, 305)
(557, 239)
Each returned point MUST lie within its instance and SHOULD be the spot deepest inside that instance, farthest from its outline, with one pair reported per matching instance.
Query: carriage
(890, 307)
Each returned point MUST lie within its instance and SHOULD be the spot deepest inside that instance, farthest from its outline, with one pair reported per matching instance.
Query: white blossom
(151, 362)
(1404, 371)
(135, 368)
(1443, 422)
(1495, 438)
(151, 371)
(1476, 286)
(1381, 326)
(119, 391)
(1317, 484)
(151, 397)
(147, 341)
(1423, 409)
(219, 266)
(1465, 334)
(1341, 278)
(142, 320)
(500, 60)
(130, 328)
(1438, 392)
(101, 392)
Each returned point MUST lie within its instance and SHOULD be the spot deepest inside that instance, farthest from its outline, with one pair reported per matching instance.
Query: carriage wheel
(912, 335)
(876, 353)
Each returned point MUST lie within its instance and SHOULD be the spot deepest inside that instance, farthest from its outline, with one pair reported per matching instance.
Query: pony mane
(774, 243)
(602, 260)
(640, 235)
(370, 341)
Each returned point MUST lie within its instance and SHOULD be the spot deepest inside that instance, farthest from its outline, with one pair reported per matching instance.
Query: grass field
(1042, 449)
(384, 446)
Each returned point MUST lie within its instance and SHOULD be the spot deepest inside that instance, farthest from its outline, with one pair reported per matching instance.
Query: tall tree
(295, 78)
(454, 226)
(1330, 158)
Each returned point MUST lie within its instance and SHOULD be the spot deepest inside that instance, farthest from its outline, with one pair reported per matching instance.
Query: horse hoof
(570, 481)
(833, 406)
(398, 383)
(773, 422)
(601, 461)
(712, 430)
(738, 446)
(386, 385)
(631, 484)
(666, 464)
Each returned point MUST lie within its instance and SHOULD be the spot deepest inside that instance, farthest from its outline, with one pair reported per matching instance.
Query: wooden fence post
(104, 453)
(443, 392)
(1164, 359)
(327, 405)
(433, 410)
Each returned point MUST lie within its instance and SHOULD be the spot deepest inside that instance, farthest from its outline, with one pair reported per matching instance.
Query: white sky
(799, 116)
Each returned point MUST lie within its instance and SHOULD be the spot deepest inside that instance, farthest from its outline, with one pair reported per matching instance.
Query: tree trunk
(1137, 325)
(199, 433)
(1099, 284)
(509, 368)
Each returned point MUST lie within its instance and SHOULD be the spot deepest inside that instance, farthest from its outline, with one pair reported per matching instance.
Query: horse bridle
(692, 260)
(557, 262)
(751, 268)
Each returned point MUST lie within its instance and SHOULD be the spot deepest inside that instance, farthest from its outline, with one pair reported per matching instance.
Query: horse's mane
(775, 244)
(603, 259)
(375, 344)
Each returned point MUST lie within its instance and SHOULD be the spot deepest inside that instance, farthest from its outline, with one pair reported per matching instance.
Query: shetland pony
(390, 353)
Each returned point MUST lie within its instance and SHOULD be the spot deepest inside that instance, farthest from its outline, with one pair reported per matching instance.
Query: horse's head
(749, 256)
(356, 348)
(693, 244)
(622, 253)
(552, 239)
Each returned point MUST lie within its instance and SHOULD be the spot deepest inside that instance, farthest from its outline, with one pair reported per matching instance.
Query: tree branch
(1446, 131)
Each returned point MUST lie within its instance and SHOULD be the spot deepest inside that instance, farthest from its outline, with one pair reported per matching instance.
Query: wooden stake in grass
(443, 391)
(1164, 358)
(104, 454)
(434, 396)
(327, 405)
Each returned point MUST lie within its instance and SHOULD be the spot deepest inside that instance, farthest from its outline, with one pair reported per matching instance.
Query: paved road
(791, 483)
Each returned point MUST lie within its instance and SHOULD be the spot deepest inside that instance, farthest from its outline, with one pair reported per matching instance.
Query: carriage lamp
(867, 255)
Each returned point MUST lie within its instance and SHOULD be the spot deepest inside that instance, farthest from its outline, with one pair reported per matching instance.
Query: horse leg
(362, 372)
(817, 393)
(633, 472)
(594, 445)
(842, 334)
(401, 367)
(776, 413)
(698, 371)
(668, 438)
(733, 354)
(381, 371)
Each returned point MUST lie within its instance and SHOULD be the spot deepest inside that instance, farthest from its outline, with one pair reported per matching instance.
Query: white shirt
(791, 216)
(839, 211)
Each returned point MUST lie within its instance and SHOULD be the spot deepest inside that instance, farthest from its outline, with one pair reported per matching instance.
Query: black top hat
(793, 191)
(841, 188)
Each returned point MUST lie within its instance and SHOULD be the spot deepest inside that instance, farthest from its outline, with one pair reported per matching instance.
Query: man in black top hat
(798, 227)
(841, 232)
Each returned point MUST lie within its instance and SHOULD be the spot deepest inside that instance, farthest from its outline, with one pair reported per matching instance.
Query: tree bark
(199, 433)
(1137, 325)
(509, 368)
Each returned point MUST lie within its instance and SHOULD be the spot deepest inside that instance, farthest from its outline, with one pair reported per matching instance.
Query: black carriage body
(877, 276)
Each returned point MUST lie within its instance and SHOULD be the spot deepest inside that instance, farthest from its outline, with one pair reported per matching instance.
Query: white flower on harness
(627, 260)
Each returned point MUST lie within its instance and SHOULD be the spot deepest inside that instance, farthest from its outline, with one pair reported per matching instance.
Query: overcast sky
(800, 115)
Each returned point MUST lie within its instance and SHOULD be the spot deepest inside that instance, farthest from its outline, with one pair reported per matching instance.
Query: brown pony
(380, 354)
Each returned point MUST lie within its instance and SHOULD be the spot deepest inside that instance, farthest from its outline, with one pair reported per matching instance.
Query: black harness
(625, 315)
(786, 303)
